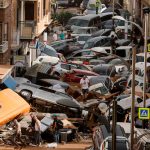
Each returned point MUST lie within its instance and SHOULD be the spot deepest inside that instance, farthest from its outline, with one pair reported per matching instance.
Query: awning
(10, 83)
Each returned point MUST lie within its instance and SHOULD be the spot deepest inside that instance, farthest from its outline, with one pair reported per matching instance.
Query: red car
(77, 74)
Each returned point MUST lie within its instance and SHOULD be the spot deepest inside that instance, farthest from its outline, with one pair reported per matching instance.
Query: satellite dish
(103, 107)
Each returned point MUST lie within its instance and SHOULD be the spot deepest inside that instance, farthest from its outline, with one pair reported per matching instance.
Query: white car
(46, 59)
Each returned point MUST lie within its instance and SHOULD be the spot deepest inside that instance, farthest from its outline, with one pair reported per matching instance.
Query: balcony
(27, 30)
(4, 3)
(4, 47)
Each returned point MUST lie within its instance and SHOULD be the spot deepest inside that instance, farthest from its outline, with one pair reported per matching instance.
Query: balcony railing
(27, 30)
(4, 3)
(4, 47)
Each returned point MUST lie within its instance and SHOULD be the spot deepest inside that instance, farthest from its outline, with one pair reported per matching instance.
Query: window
(98, 44)
(49, 52)
(139, 100)
(0, 33)
(80, 75)
(121, 53)
(40, 59)
(106, 33)
(88, 45)
(5, 32)
(136, 83)
(29, 13)
(44, 8)
(78, 54)
(65, 66)
(86, 53)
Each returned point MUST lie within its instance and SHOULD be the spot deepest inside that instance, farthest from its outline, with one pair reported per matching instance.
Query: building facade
(5, 31)
(139, 5)
(21, 21)
(35, 16)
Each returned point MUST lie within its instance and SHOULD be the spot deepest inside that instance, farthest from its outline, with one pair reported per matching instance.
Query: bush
(62, 17)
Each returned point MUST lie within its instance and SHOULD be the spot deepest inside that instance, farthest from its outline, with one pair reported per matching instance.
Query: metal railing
(4, 46)
(4, 3)
(27, 29)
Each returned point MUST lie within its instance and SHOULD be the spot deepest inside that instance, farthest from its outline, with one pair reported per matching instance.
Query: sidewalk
(60, 147)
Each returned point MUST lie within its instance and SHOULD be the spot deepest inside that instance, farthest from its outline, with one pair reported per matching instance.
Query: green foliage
(62, 17)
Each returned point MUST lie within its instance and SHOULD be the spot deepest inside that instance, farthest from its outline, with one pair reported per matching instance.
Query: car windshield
(78, 22)
(102, 88)
(83, 38)
(139, 59)
(82, 31)
(50, 52)
(102, 70)
(72, 21)
(115, 62)
(88, 45)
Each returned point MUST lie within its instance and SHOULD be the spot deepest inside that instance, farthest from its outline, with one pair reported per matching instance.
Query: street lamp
(121, 18)
(133, 80)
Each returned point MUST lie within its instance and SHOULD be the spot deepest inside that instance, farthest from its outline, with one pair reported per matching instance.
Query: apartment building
(35, 16)
(139, 5)
(5, 31)
(20, 22)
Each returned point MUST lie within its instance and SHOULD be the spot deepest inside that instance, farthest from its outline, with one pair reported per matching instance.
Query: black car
(102, 32)
(97, 42)
(104, 41)
(66, 46)
(109, 24)
(105, 69)
(84, 21)
(103, 138)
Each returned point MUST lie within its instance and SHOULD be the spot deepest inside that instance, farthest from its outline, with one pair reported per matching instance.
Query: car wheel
(26, 94)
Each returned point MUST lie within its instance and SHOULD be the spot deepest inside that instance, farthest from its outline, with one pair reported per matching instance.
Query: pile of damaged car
(83, 84)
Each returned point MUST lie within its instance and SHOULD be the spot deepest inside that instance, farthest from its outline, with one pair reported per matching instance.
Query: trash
(52, 145)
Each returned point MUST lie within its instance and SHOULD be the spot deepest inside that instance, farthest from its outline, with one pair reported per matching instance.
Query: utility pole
(133, 80)
(146, 12)
(114, 121)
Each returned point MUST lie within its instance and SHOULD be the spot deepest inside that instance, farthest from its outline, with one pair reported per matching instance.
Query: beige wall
(139, 5)
(42, 20)
(145, 3)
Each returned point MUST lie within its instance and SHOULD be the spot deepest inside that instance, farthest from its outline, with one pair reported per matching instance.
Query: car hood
(69, 103)
(49, 95)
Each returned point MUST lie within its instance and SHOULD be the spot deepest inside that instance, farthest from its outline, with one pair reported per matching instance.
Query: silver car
(29, 90)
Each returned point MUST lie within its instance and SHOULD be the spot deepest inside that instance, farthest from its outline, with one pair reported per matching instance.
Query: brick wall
(4, 57)
(5, 17)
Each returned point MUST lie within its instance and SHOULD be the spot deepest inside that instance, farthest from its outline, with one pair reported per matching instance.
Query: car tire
(26, 94)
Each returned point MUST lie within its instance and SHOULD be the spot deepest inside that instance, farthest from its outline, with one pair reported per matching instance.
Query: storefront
(6, 80)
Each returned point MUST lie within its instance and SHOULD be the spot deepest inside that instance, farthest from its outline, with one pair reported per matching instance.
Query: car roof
(121, 41)
(97, 38)
(86, 17)
(141, 65)
(81, 50)
(100, 78)
(123, 47)
(142, 54)
(86, 28)
(105, 14)
(100, 32)
(103, 65)
(87, 35)
(84, 71)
